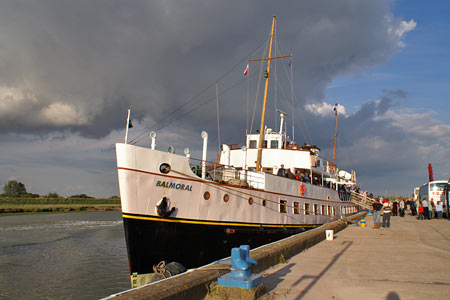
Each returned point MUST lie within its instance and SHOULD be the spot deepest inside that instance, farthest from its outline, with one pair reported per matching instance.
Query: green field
(11, 205)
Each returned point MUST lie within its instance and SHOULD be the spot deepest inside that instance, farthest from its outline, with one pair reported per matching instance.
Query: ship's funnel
(430, 173)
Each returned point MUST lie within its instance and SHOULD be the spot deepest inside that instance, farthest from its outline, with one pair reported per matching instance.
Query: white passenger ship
(178, 209)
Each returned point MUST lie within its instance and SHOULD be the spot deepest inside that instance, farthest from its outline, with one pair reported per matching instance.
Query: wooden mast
(263, 114)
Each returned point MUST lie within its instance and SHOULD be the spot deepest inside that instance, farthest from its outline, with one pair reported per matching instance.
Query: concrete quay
(411, 260)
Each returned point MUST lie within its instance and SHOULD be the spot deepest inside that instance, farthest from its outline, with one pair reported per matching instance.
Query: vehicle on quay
(416, 193)
(176, 208)
(437, 190)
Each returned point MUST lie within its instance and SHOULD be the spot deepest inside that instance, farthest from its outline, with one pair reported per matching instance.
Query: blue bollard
(240, 275)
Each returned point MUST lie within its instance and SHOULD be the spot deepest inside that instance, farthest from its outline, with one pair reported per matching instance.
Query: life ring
(302, 189)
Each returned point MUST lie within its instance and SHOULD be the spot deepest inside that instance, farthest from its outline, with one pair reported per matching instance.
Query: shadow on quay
(317, 278)
(275, 278)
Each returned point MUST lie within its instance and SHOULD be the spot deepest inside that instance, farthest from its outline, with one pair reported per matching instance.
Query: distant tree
(14, 189)
(80, 196)
(114, 197)
(52, 195)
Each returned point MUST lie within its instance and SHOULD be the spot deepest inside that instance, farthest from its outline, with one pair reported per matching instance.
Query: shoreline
(55, 208)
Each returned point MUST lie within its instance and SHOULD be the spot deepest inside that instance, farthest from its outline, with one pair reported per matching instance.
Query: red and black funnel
(430, 173)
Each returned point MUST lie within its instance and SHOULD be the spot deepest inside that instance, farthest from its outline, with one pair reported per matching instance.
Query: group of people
(301, 176)
(423, 209)
(381, 205)
(428, 211)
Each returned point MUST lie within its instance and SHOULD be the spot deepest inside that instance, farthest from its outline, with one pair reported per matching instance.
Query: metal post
(126, 130)
(153, 137)
(205, 147)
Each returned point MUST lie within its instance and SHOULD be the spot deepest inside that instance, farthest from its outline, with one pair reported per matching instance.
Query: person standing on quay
(376, 207)
(412, 206)
(401, 208)
(431, 209)
(386, 214)
(425, 209)
(420, 217)
(439, 210)
(395, 208)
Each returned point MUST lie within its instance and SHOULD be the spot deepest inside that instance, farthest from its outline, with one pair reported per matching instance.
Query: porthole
(250, 201)
(206, 195)
(264, 202)
(226, 197)
(164, 168)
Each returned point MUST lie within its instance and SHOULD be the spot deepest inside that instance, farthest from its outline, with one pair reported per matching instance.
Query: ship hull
(191, 243)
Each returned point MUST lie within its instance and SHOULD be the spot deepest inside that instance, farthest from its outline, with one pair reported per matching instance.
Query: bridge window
(268, 170)
(252, 144)
(264, 145)
(316, 209)
(324, 211)
(274, 144)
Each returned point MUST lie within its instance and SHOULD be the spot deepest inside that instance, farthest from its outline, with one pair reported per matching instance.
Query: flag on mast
(246, 70)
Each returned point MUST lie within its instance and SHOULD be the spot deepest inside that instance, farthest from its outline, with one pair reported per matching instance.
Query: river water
(62, 256)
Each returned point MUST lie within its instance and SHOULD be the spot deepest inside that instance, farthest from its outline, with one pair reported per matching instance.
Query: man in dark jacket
(376, 207)
(281, 171)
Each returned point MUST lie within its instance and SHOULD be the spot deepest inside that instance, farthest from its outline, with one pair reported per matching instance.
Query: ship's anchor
(162, 208)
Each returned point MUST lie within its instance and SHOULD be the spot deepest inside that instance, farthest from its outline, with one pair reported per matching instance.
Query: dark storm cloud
(78, 65)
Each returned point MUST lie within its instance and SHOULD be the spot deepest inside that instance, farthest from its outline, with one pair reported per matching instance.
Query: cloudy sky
(70, 69)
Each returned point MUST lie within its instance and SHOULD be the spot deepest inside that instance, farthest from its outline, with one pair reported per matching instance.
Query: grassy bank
(9, 205)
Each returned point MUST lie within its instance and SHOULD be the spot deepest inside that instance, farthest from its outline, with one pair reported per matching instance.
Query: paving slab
(411, 260)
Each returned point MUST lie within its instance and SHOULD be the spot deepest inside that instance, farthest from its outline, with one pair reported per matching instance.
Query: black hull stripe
(216, 223)
(226, 185)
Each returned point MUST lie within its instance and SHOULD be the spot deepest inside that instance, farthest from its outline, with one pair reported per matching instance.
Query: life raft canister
(302, 189)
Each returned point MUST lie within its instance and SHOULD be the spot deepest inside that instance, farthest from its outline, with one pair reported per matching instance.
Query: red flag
(246, 70)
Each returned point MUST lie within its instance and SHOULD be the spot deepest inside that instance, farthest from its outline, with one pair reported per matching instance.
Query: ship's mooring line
(220, 186)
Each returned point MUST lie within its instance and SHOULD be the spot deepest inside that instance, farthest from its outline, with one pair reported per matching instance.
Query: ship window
(264, 145)
(252, 144)
(334, 210)
(283, 206)
(226, 197)
(253, 169)
(316, 209)
(329, 211)
(323, 212)
(206, 195)
(250, 201)
(264, 202)
(296, 208)
(164, 168)
(307, 209)
(274, 144)
(268, 170)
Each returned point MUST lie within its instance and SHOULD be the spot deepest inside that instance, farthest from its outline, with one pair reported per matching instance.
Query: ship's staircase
(362, 200)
